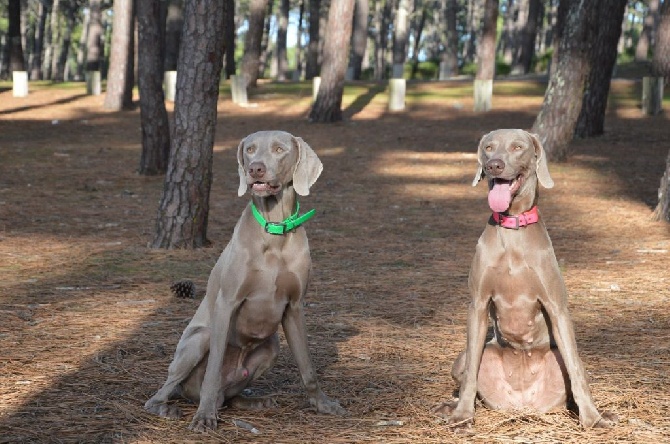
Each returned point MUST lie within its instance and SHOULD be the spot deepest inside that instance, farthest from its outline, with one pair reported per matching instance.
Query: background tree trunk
(94, 37)
(359, 37)
(229, 37)
(327, 107)
(184, 208)
(418, 34)
(253, 41)
(173, 25)
(528, 38)
(312, 67)
(153, 115)
(662, 211)
(643, 43)
(486, 51)
(401, 36)
(603, 52)
(450, 54)
(119, 87)
(282, 33)
(660, 63)
(70, 22)
(555, 124)
(383, 10)
(38, 44)
(16, 61)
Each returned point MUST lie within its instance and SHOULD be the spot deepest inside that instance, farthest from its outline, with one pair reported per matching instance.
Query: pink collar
(515, 222)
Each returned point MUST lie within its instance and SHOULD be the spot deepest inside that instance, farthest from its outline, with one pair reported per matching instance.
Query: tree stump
(20, 83)
(93, 83)
(397, 94)
(238, 88)
(652, 95)
(316, 83)
(483, 90)
(170, 80)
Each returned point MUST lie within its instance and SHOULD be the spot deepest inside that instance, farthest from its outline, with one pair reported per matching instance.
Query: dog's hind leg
(192, 348)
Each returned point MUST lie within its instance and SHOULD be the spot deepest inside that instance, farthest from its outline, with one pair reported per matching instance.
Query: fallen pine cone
(183, 289)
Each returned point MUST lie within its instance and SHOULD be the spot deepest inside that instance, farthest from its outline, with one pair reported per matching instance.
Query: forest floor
(89, 325)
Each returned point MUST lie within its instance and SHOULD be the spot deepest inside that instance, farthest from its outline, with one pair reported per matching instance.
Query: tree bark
(50, 59)
(81, 52)
(359, 37)
(528, 37)
(418, 33)
(282, 34)
(662, 210)
(94, 37)
(327, 107)
(486, 50)
(401, 36)
(184, 208)
(153, 115)
(38, 44)
(253, 41)
(120, 75)
(660, 63)
(383, 10)
(555, 124)
(450, 54)
(648, 28)
(603, 53)
(70, 22)
(16, 61)
(312, 67)
(173, 26)
(229, 37)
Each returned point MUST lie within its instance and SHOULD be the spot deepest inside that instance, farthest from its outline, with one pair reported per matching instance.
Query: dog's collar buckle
(279, 228)
(515, 222)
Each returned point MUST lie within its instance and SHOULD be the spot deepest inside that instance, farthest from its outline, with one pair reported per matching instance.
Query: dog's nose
(257, 170)
(495, 167)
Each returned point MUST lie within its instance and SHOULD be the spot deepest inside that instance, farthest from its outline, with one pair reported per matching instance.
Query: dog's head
(513, 161)
(268, 161)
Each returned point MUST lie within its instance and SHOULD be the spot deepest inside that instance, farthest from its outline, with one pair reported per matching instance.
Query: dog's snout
(257, 170)
(495, 167)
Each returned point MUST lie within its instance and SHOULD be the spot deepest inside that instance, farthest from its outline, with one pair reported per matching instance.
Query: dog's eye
(251, 149)
(278, 149)
(488, 148)
(517, 148)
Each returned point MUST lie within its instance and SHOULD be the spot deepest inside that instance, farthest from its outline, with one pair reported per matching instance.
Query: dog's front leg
(293, 323)
(462, 415)
(211, 390)
(564, 335)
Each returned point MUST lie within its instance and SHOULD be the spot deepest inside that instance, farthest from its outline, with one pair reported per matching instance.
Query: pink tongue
(500, 196)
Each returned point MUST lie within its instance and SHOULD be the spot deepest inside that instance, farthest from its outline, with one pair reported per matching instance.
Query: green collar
(288, 224)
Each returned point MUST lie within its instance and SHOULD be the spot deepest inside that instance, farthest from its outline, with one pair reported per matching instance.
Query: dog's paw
(203, 421)
(608, 419)
(459, 419)
(163, 410)
(328, 406)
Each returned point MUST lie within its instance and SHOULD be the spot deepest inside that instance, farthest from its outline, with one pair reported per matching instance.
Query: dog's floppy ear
(240, 169)
(542, 169)
(307, 169)
(479, 175)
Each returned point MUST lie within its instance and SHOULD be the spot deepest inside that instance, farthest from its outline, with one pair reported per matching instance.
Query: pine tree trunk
(93, 42)
(401, 37)
(174, 23)
(36, 65)
(327, 107)
(603, 53)
(359, 37)
(555, 124)
(486, 51)
(51, 60)
(229, 37)
(450, 54)
(528, 37)
(123, 30)
(70, 22)
(660, 63)
(312, 67)
(662, 211)
(643, 43)
(184, 208)
(282, 34)
(16, 61)
(418, 33)
(253, 41)
(153, 115)
(81, 51)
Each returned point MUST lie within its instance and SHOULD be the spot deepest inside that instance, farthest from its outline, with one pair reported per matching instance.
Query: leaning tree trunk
(94, 37)
(253, 41)
(184, 207)
(555, 124)
(153, 115)
(16, 61)
(327, 107)
(119, 77)
(603, 53)
(418, 33)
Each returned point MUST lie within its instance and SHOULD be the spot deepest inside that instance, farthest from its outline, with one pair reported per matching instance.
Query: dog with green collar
(258, 283)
